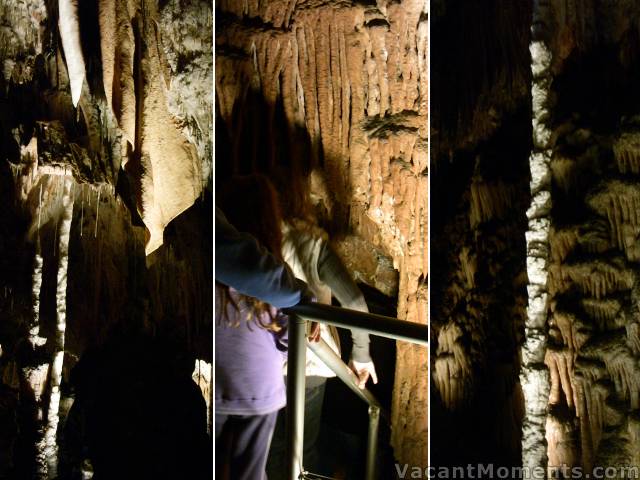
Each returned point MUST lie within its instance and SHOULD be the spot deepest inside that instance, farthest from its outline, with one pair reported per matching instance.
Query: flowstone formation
(105, 177)
(592, 353)
(330, 100)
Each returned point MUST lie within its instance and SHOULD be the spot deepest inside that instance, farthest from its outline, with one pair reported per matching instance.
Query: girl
(250, 341)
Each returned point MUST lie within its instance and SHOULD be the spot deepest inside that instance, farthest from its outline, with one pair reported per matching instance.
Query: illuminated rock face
(104, 158)
(571, 397)
(334, 97)
(593, 318)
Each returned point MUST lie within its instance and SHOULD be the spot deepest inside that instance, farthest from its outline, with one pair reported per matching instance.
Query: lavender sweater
(248, 373)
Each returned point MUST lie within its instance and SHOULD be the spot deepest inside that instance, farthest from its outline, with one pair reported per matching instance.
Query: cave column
(64, 234)
(534, 375)
(36, 375)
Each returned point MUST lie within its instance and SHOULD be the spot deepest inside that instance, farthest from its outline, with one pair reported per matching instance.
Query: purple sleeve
(241, 263)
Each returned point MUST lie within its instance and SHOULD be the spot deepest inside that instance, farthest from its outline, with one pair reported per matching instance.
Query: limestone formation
(343, 87)
(104, 159)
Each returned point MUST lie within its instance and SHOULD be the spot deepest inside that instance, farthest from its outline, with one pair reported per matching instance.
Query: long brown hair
(251, 204)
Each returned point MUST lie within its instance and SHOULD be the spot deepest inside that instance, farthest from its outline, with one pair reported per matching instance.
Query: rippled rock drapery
(77, 226)
(352, 80)
(593, 351)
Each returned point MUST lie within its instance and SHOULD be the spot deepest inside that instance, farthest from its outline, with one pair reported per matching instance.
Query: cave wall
(105, 177)
(342, 87)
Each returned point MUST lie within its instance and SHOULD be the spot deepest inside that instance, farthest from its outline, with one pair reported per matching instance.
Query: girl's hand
(364, 371)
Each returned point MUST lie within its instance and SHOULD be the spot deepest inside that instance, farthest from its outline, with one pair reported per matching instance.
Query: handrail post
(372, 442)
(296, 364)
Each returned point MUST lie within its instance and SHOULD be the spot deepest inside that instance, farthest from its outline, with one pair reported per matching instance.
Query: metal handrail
(341, 317)
(376, 324)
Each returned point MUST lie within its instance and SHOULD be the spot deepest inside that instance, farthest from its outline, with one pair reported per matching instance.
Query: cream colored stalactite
(64, 233)
(69, 25)
(534, 375)
(489, 200)
(117, 46)
(452, 369)
(172, 172)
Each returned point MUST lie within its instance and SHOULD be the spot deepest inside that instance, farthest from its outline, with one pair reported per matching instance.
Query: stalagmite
(534, 376)
(489, 200)
(37, 376)
(202, 375)
(59, 339)
(70, 34)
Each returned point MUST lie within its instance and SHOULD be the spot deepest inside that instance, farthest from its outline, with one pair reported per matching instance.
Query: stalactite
(69, 25)
(633, 337)
(626, 150)
(468, 264)
(562, 242)
(620, 203)
(562, 450)
(567, 324)
(621, 366)
(607, 314)
(560, 364)
(453, 373)
(595, 278)
(564, 171)
(489, 200)
(534, 376)
(590, 411)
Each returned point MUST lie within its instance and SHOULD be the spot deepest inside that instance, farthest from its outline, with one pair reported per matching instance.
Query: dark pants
(242, 445)
(314, 399)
